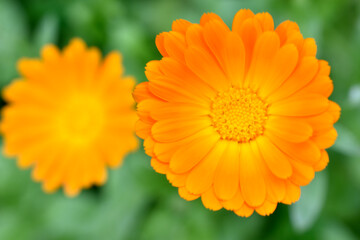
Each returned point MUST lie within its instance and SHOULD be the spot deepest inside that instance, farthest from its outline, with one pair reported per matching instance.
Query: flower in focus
(238, 117)
(70, 116)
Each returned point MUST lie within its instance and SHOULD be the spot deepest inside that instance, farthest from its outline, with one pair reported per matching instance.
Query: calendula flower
(239, 117)
(70, 116)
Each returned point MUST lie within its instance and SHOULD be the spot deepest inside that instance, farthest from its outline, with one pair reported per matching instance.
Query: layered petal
(239, 117)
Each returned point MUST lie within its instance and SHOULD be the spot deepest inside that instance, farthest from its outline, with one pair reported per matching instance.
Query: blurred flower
(70, 116)
(241, 117)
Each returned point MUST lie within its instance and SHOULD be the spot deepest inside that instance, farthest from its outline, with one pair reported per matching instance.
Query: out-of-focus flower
(70, 116)
(240, 117)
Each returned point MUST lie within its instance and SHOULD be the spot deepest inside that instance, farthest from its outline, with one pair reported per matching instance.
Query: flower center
(80, 119)
(238, 115)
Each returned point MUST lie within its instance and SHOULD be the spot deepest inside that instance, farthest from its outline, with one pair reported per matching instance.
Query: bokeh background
(137, 203)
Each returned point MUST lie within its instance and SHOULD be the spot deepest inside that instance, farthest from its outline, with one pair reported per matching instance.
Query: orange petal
(56, 172)
(42, 167)
(71, 191)
(234, 61)
(170, 130)
(289, 129)
(206, 68)
(185, 194)
(142, 129)
(207, 17)
(165, 151)
(334, 110)
(159, 41)
(226, 181)
(51, 186)
(309, 48)
(280, 69)
(240, 17)
(302, 75)
(195, 36)
(324, 68)
(214, 32)
(303, 174)
(234, 203)
(292, 193)
(182, 84)
(177, 180)
(306, 151)
(266, 209)
(169, 90)
(30, 153)
(152, 69)
(275, 186)
(323, 162)
(144, 108)
(276, 160)
(244, 211)
(175, 45)
(300, 105)
(158, 166)
(320, 122)
(265, 50)
(295, 38)
(25, 161)
(266, 21)
(31, 69)
(110, 69)
(188, 156)
(210, 201)
(252, 183)
(325, 139)
(201, 177)
(179, 110)
(149, 146)
(20, 91)
(320, 85)
(50, 53)
(285, 27)
(142, 92)
(180, 26)
(75, 46)
(249, 32)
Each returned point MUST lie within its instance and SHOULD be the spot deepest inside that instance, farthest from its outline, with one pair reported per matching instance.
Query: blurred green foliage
(137, 203)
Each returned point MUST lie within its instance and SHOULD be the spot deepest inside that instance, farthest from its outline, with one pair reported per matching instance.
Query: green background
(136, 202)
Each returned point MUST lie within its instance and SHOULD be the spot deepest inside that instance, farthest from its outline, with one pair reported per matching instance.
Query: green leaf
(334, 230)
(305, 212)
(347, 142)
(47, 31)
(13, 33)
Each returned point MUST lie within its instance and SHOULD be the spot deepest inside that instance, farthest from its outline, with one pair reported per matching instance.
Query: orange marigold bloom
(240, 117)
(70, 116)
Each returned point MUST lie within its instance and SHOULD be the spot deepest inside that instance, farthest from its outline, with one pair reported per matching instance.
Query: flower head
(70, 116)
(239, 117)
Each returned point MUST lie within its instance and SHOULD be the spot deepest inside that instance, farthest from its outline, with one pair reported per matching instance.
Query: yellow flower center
(238, 115)
(80, 119)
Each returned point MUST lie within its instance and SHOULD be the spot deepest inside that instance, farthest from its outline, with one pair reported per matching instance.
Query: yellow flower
(70, 116)
(240, 117)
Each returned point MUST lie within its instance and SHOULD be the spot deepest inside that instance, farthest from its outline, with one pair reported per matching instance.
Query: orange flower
(241, 117)
(70, 116)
